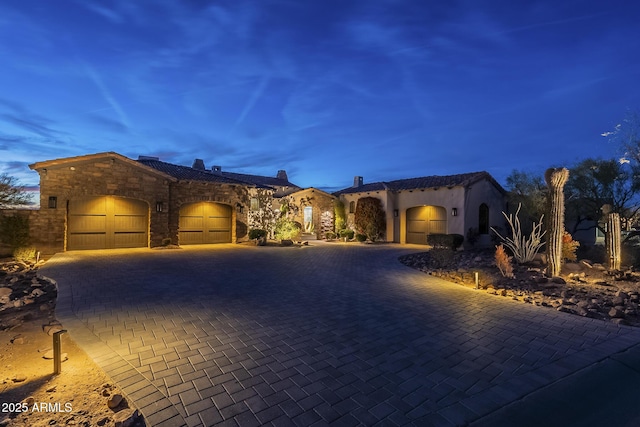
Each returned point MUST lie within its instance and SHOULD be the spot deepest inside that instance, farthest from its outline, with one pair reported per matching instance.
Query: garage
(425, 220)
(204, 223)
(107, 222)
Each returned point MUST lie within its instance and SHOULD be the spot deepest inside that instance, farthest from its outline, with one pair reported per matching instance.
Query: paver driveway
(336, 334)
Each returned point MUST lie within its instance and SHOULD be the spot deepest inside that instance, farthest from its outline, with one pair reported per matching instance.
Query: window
(254, 204)
(352, 207)
(483, 219)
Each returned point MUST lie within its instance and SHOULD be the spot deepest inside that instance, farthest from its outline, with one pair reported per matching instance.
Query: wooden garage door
(205, 222)
(107, 222)
(425, 220)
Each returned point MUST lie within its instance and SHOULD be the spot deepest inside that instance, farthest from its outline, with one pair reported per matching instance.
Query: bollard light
(57, 355)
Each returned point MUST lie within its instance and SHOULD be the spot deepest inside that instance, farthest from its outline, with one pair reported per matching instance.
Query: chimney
(357, 181)
(198, 164)
(217, 170)
(282, 174)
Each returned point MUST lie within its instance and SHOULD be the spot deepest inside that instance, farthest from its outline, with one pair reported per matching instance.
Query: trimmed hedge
(451, 241)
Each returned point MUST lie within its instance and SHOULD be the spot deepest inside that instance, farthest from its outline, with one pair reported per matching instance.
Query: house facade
(107, 200)
(416, 207)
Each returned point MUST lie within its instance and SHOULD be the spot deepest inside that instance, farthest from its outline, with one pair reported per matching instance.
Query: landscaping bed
(584, 288)
(30, 394)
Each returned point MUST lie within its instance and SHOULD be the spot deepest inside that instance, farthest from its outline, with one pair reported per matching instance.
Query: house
(417, 207)
(106, 200)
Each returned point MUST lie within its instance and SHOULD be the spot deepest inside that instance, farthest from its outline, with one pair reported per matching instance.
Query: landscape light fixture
(57, 355)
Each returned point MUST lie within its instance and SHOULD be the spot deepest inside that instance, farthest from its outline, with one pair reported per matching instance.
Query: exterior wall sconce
(239, 208)
(454, 211)
(395, 213)
(159, 206)
(53, 202)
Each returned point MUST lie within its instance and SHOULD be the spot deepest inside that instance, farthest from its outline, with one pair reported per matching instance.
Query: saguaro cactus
(556, 178)
(613, 241)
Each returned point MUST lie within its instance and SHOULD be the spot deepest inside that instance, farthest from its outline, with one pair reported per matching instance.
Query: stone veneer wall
(321, 203)
(197, 191)
(114, 177)
(103, 177)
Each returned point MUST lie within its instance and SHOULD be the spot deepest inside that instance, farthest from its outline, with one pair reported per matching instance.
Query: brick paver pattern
(330, 334)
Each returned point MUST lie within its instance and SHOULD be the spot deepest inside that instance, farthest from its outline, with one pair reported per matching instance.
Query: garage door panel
(205, 222)
(130, 223)
(107, 222)
(414, 226)
(425, 220)
(218, 236)
(191, 237)
(88, 224)
(218, 223)
(130, 240)
(191, 223)
(86, 241)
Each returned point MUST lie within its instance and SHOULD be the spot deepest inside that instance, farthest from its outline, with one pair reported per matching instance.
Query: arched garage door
(107, 222)
(425, 220)
(205, 222)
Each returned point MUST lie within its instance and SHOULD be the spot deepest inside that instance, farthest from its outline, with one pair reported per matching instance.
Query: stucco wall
(480, 192)
(465, 200)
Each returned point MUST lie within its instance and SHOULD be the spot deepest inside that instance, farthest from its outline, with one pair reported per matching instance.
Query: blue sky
(386, 89)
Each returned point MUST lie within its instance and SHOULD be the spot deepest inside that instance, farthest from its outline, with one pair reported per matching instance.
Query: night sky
(386, 89)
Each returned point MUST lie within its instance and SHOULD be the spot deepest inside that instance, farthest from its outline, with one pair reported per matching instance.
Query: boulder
(616, 313)
(5, 292)
(126, 417)
(114, 401)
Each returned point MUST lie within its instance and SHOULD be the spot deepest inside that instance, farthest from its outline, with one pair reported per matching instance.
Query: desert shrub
(286, 229)
(330, 235)
(524, 247)
(441, 257)
(14, 231)
(345, 232)
(569, 247)
(503, 262)
(257, 233)
(24, 253)
(450, 241)
(369, 218)
(361, 237)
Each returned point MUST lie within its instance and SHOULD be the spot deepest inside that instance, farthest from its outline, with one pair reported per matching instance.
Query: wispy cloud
(106, 94)
(253, 99)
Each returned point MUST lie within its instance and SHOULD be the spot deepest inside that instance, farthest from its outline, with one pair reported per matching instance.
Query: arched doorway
(425, 220)
(203, 223)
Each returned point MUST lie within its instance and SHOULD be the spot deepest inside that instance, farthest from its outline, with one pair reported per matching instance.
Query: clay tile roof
(435, 181)
(189, 174)
(259, 180)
